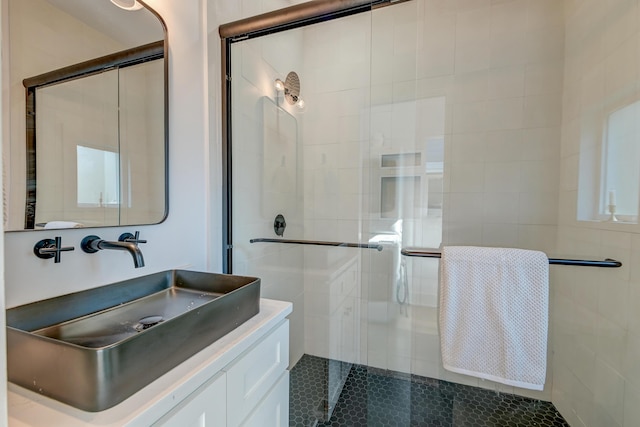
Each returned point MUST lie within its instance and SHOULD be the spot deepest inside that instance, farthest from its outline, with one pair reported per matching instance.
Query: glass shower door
(297, 176)
(402, 208)
(350, 166)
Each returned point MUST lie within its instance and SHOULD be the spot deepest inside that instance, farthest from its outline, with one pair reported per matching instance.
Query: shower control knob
(279, 224)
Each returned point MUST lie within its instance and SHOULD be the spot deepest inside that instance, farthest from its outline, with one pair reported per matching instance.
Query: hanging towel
(494, 310)
(63, 224)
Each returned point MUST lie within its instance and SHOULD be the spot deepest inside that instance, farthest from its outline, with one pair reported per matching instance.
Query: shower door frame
(297, 16)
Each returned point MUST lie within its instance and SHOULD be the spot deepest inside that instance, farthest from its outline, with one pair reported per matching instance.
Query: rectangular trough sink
(93, 349)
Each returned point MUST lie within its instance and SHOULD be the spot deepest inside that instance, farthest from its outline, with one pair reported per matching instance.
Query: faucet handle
(50, 248)
(132, 238)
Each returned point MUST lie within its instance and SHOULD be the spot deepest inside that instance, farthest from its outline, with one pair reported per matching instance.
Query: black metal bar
(227, 160)
(283, 19)
(320, 243)
(608, 262)
(136, 55)
(31, 184)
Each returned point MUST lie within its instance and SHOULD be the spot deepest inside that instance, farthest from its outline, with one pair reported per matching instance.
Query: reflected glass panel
(78, 113)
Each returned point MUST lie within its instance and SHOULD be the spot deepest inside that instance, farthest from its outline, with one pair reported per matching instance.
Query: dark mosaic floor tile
(374, 397)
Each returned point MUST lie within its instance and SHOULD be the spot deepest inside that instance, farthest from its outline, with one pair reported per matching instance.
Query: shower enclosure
(352, 166)
(427, 123)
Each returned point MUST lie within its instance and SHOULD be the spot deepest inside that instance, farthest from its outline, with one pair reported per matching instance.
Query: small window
(621, 163)
(98, 177)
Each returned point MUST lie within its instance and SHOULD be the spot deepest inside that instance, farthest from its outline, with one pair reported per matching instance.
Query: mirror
(87, 115)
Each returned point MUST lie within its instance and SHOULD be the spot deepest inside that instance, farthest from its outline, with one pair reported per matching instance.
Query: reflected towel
(63, 224)
(494, 305)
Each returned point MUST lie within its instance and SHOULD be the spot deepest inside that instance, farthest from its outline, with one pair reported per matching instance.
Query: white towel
(63, 224)
(494, 310)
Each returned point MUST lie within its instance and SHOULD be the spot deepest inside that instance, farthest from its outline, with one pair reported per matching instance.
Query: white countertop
(27, 408)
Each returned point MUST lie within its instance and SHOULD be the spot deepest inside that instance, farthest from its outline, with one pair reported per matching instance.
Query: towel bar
(608, 262)
(319, 243)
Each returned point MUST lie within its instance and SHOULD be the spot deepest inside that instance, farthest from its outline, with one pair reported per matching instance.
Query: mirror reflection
(87, 145)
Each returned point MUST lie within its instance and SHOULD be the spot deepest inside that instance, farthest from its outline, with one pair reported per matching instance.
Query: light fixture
(300, 104)
(127, 4)
(279, 85)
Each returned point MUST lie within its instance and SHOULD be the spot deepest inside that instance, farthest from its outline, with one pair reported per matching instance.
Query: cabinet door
(205, 407)
(273, 411)
(251, 377)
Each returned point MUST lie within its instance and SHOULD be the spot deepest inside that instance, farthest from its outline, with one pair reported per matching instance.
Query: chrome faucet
(127, 242)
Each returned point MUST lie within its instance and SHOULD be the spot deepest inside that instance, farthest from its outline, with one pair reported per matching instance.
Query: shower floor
(373, 397)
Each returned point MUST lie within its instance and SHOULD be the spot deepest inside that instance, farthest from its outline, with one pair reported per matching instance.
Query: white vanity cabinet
(240, 380)
(257, 381)
(252, 377)
(207, 406)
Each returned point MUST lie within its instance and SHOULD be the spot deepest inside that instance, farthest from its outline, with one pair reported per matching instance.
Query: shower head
(292, 88)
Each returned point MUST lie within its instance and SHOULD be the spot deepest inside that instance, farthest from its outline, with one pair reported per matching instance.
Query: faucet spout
(132, 248)
(92, 244)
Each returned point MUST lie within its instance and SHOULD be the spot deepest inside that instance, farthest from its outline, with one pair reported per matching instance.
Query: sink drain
(147, 322)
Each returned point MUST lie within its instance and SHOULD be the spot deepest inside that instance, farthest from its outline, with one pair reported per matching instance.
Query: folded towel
(63, 224)
(494, 308)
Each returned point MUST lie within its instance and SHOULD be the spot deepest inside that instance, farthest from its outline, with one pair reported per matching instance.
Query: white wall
(182, 240)
(597, 313)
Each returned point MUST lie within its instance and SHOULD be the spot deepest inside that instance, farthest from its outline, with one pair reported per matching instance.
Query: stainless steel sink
(95, 348)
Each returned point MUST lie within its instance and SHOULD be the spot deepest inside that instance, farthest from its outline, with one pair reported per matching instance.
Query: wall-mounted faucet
(126, 242)
(50, 248)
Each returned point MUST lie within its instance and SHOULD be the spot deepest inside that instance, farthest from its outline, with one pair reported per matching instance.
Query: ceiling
(131, 28)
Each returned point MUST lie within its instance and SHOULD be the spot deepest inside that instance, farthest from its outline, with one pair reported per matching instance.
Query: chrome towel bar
(608, 262)
(319, 243)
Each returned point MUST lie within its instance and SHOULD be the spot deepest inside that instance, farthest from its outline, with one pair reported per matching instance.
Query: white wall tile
(600, 71)
(538, 208)
(500, 235)
(507, 49)
(544, 78)
(542, 111)
(505, 113)
(541, 144)
(543, 14)
(468, 147)
(500, 208)
(437, 54)
(504, 145)
(502, 177)
(539, 176)
(472, 86)
(631, 405)
(470, 117)
(506, 82)
(544, 44)
(473, 33)
(610, 392)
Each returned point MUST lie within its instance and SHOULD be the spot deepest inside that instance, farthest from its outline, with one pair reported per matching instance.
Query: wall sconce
(127, 4)
(291, 89)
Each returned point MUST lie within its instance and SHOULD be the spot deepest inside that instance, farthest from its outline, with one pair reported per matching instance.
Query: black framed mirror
(88, 116)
